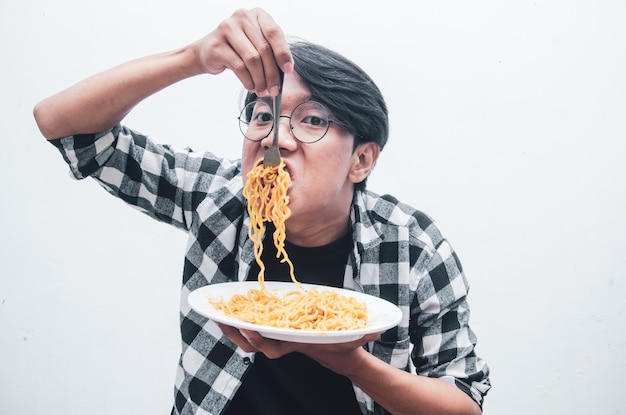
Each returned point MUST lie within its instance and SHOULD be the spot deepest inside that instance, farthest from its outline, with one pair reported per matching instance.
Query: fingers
(273, 349)
(369, 338)
(333, 356)
(251, 341)
(236, 337)
(255, 49)
(280, 57)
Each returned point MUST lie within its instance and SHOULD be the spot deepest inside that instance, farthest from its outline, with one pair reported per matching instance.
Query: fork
(272, 155)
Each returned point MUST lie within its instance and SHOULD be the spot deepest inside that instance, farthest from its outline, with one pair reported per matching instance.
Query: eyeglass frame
(291, 126)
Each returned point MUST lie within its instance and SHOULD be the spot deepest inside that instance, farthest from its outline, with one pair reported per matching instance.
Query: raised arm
(249, 43)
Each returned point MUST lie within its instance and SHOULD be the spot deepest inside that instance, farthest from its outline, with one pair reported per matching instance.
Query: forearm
(101, 101)
(249, 43)
(400, 392)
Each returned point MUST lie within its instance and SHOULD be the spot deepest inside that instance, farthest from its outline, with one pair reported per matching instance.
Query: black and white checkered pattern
(399, 255)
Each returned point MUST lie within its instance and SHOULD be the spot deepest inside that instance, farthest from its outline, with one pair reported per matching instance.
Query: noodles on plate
(325, 310)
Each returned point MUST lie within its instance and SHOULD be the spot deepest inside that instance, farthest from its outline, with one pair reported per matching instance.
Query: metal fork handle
(272, 155)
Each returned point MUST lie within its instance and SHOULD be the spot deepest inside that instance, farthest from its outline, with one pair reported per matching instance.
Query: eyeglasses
(308, 123)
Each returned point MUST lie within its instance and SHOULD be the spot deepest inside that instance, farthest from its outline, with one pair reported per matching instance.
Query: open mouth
(289, 172)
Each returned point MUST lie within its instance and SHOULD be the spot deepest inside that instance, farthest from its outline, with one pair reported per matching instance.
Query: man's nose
(284, 126)
(285, 135)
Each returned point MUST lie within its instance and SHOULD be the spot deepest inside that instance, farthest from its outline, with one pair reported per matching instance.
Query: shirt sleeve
(444, 342)
(162, 181)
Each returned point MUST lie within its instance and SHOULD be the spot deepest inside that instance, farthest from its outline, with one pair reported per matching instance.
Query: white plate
(381, 314)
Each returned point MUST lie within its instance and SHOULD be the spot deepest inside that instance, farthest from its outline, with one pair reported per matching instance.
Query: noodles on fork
(266, 192)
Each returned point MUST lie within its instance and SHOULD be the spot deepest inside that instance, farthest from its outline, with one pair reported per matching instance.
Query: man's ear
(363, 161)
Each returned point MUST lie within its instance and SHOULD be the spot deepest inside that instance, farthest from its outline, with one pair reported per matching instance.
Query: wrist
(190, 61)
(356, 364)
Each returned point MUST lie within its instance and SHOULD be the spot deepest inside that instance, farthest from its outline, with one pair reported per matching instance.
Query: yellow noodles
(298, 309)
(266, 192)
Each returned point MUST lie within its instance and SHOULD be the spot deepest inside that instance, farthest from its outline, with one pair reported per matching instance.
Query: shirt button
(247, 360)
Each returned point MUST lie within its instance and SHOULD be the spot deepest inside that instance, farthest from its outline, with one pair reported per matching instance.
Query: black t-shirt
(294, 383)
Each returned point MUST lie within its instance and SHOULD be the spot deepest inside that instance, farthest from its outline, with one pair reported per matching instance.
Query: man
(338, 234)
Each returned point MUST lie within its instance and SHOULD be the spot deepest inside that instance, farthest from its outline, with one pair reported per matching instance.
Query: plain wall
(507, 127)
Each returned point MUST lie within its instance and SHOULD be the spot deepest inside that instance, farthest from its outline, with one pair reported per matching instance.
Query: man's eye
(314, 121)
(262, 117)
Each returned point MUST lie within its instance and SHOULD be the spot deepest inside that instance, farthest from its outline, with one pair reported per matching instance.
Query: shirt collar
(367, 232)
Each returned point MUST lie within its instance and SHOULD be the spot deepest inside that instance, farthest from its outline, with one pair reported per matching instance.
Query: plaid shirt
(398, 255)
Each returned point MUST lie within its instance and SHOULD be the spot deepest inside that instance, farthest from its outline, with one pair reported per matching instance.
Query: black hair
(349, 93)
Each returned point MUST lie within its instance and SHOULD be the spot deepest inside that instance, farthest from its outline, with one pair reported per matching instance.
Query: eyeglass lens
(308, 122)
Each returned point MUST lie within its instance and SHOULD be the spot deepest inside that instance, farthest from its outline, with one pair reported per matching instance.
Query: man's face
(321, 186)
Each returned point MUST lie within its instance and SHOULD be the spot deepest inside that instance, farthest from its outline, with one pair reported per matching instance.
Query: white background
(508, 127)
